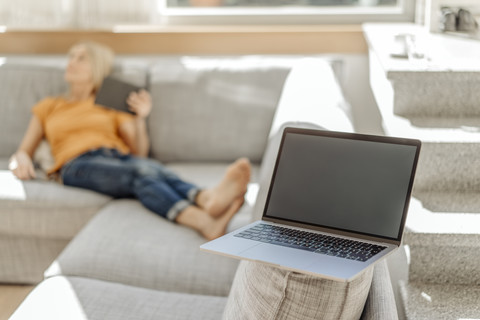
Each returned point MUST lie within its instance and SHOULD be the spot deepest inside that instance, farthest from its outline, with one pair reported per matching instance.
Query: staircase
(442, 234)
(437, 276)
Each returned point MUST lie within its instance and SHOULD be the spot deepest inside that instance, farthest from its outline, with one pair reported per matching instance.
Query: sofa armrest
(312, 94)
(311, 99)
(380, 303)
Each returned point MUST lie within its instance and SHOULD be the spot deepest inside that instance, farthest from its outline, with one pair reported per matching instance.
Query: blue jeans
(125, 176)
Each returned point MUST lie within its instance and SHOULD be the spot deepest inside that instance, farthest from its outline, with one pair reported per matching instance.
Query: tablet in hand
(114, 93)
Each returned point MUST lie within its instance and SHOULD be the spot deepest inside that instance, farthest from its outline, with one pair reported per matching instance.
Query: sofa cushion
(128, 244)
(260, 291)
(74, 298)
(44, 209)
(219, 109)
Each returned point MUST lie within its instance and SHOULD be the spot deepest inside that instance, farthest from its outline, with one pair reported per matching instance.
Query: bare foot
(233, 186)
(219, 225)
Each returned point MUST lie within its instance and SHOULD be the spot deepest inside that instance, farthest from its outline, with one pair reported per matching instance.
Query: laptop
(114, 93)
(337, 204)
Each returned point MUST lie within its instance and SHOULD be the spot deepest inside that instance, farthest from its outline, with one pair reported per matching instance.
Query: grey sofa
(114, 259)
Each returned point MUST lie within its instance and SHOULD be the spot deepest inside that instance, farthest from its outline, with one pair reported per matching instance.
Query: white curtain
(106, 13)
(31, 13)
(82, 14)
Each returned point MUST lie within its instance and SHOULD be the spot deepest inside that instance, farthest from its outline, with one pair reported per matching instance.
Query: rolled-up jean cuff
(192, 194)
(178, 207)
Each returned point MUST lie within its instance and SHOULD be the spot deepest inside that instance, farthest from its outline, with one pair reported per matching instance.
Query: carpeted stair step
(449, 159)
(423, 301)
(444, 246)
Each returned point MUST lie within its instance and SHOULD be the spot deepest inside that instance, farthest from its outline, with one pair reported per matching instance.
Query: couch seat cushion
(129, 244)
(74, 298)
(44, 209)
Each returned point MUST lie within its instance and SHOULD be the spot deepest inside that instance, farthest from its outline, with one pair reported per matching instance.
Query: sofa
(94, 257)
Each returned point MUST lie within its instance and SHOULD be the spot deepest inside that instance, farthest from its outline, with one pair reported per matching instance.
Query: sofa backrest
(205, 108)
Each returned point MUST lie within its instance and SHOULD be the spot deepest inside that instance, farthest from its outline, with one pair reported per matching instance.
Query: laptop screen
(348, 182)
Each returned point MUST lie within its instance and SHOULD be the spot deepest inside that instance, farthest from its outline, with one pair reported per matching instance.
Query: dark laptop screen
(344, 181)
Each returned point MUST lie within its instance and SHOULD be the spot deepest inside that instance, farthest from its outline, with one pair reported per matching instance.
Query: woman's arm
(21, 163)
(134, 133)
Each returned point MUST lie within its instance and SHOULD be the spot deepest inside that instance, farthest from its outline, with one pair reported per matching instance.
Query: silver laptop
(337, 203)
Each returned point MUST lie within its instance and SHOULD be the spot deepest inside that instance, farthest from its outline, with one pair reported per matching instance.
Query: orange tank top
(73, 128)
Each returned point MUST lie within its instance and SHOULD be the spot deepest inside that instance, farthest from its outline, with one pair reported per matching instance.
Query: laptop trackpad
(282, 256)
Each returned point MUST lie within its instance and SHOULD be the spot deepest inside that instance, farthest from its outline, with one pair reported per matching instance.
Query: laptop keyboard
(313, 242)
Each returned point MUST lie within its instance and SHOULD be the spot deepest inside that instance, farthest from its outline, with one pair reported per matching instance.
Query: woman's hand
(140, 103)
(134, 133)
(22, 165)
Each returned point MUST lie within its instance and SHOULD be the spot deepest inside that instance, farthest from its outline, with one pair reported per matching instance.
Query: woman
(105, 150)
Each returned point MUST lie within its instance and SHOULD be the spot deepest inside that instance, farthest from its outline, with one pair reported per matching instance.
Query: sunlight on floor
(10, 298)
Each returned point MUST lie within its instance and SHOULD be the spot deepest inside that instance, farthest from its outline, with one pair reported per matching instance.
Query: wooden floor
(10, 298)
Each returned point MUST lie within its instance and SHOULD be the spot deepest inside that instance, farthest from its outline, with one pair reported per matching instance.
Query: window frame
(403, 12)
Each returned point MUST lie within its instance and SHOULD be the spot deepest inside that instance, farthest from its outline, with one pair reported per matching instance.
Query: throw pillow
(265, 292)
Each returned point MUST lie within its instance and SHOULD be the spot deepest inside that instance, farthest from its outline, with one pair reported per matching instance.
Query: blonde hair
(101, 58)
